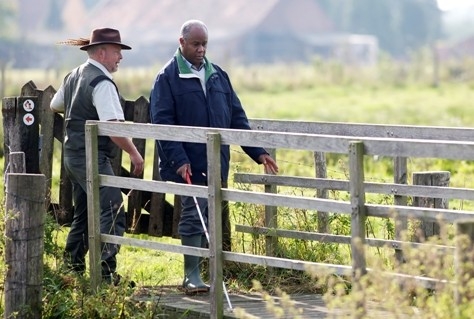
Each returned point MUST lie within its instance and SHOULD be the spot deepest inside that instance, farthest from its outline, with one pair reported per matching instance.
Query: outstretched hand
(269, 164)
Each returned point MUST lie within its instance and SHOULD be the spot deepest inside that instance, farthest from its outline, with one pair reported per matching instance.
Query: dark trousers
(112, 216)
(190, 222)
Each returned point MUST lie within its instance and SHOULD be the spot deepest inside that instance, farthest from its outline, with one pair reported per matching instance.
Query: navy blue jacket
(177, 98)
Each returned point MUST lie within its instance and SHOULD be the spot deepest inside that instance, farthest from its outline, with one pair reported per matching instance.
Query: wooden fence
(40, 137)
(356, 141)
(355, 148)
(37, 140)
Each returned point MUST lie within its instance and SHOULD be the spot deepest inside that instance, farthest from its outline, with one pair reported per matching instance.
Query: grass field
(317, 93)
(299, 93)
(414, 105)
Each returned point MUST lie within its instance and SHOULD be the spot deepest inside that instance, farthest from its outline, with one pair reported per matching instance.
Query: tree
(7, 31)
(54, 21)
(401, 26)
(7, 18)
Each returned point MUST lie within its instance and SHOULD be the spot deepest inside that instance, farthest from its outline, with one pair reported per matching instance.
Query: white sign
(28, 105)
(28, 119)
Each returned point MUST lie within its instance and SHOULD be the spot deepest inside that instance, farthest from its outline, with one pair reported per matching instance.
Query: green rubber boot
(192, 282)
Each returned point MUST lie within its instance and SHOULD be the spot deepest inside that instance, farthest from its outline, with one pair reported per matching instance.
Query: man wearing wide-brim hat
(89, 93)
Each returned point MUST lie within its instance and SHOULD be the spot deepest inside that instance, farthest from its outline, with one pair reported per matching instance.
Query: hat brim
(124, 46)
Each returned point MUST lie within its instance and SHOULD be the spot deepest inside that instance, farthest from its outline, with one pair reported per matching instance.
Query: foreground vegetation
(389, 94)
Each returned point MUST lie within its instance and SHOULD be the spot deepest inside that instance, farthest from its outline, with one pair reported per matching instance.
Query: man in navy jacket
(192, 91)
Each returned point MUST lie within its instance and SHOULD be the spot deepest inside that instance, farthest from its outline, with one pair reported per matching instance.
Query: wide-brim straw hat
(105, 36)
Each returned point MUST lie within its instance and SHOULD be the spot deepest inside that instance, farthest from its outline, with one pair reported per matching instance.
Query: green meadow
(389, 93)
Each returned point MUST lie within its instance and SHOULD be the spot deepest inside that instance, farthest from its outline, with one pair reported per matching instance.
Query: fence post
(21, 129)
(46, 118)
(93, 205)
(215, 224)
(24, 231)
(429, 228)
(141, 114)
(321, 172)
(271, 217)
(29, 89)
(401, 223)
(464, 263)
(65, 211)
(358, 217)
(66, 208)
(226, 228)
(156, 224)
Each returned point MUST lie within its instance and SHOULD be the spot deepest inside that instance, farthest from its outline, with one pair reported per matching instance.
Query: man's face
(194, 46)
(110, 56)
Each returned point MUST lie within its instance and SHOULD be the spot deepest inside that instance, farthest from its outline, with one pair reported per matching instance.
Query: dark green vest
(78, 87)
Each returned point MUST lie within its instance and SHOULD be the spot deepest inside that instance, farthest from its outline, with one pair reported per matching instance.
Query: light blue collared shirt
(201, 73)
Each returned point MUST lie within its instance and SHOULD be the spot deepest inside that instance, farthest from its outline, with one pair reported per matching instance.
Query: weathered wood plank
(46, 118)
(214, 236)
(364, 129)
(320, 168)
(271, 215)
(358, 218)
(448, 215)
(401, 223)
(29, 89)
(322, 143)
(177, 305)
(374, 210)
(440, 179)
(140, 115)
(464, 259)
(93, 206)
(338, 239)
(157, 202)
(24, 227)
(395, 189)
(286, 201)
(229, 194)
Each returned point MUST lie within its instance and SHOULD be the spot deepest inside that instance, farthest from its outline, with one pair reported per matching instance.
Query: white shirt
(201, 73)
(104, 98)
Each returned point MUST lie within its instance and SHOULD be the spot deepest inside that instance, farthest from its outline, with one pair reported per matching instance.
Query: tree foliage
(401, 26)
(8, 12)
(54, 21)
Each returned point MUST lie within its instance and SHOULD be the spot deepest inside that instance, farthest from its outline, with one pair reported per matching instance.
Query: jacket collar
(185, 71)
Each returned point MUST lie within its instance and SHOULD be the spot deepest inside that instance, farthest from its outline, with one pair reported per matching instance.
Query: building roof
(145, 21)
(241, 30)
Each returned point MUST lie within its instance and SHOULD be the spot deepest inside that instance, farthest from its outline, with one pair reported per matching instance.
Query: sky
(446, 5)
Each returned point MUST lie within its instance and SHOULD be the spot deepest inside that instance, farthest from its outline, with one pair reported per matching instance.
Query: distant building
(243, 31)
(463, 49)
